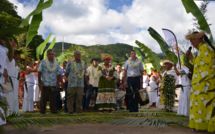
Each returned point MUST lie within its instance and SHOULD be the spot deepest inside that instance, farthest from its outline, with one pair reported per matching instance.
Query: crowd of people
(76, 86)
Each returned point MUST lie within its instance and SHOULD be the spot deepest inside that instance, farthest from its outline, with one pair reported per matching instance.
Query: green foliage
(36, 16)
(41, 48)
(9, 25)
(6, 6)
(38, 39)
(50, 47)
(117, 51)
(40, 7)
(140, 55)
(169, 92)
(33, 27)
(163, 45)
(68, 54)
(191, 7)
(150, 55)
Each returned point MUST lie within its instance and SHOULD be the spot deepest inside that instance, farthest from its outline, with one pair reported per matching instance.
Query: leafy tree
(6, 6)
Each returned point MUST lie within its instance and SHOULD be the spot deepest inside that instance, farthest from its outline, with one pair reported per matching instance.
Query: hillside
(118, 51)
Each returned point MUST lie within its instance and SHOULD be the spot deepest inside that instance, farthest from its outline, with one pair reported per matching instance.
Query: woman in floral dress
(203, 84)
(106, 100)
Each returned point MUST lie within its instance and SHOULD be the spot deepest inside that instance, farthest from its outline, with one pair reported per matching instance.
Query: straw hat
(195, 35)
(168, 61)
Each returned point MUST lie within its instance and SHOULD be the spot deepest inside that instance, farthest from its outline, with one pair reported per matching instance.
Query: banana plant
(163, 45)
(191, 7)
(40, 49)
(150, 55)
(50, 47)
(140, 55)
(64, 56)
(36, 18)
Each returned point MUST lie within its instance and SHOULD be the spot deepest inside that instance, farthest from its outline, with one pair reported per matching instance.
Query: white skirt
(152, 95)
(184, 101)
(28, 103)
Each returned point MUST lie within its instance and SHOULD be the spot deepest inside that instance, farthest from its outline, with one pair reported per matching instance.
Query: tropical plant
(150, 55)
(191, 7)
(36, 18)
(163, 45)
(41, 48)
(50, 47)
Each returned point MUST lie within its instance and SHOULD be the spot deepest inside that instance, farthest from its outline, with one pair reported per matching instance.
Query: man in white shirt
(93, 74)
(133, 73)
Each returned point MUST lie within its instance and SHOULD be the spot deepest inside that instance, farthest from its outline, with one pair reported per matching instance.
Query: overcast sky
(92, 22)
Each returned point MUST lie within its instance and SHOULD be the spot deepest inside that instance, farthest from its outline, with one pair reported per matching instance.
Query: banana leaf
(150, 55)
(40, 49)
(191, 7)
(140, 55)
(36, 18)
(34, 26)
(50, 47)
(40, 7)
(64, 56)
(163, 45)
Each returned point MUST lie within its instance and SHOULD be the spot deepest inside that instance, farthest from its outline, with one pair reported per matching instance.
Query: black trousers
(132, 93)
(48, 94)
(91, 91)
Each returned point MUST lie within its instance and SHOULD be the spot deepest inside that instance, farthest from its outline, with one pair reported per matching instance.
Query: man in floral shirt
(75, 71)
(49, 79)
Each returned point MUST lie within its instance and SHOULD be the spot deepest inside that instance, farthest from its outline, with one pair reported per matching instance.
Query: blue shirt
(49, 77)
(134, 68)
(75, 72)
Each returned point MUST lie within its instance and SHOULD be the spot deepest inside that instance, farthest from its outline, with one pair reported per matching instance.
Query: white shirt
(145, 81)
(94, 75)
(3, 59)
(183, 79)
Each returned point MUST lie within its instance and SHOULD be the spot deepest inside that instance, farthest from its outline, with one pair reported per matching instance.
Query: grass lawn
(146, 117)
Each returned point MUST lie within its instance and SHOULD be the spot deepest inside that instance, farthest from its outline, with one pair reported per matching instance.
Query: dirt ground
(99, 129)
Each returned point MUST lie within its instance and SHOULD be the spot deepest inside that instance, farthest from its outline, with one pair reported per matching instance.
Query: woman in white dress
(145, 79)
(12, 97)
(152, 91)
(184, 99)
(28, 103)
(36, 97)
(3, 55)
